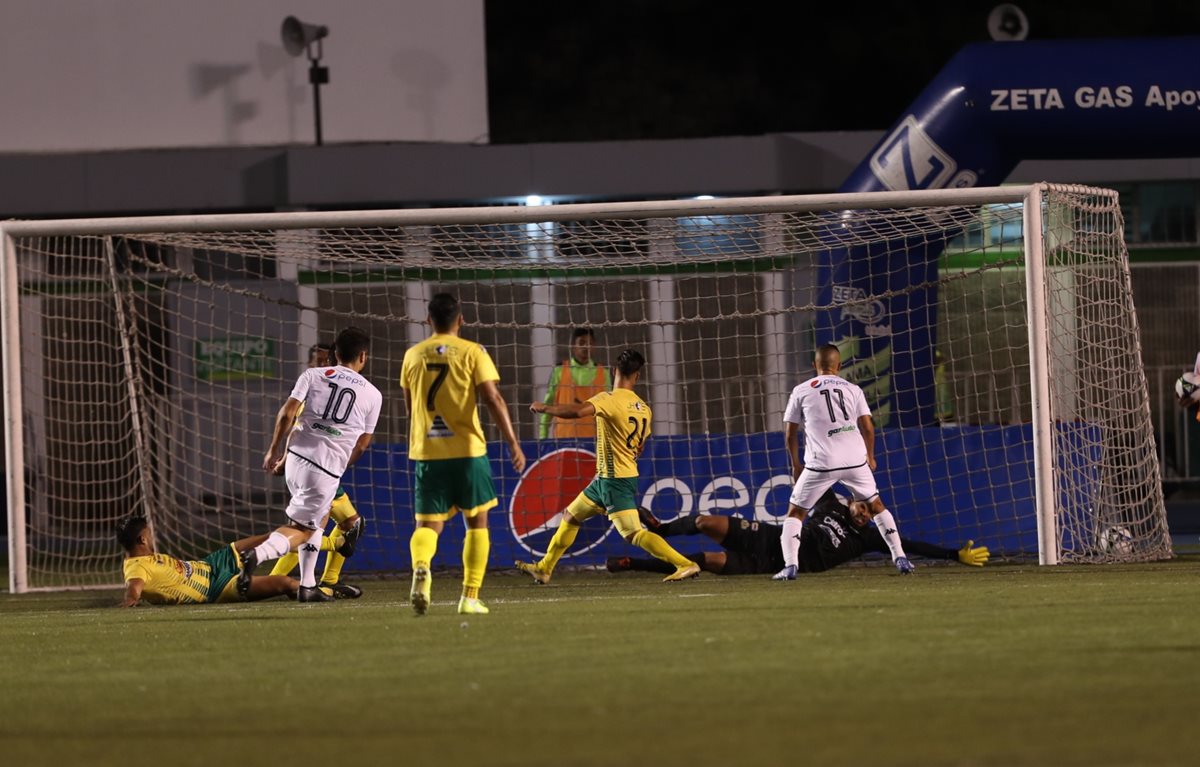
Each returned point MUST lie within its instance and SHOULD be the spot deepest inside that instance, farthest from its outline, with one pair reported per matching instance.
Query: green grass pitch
(1006, 665)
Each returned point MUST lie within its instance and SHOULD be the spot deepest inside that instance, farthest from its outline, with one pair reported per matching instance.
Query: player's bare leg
(267, 586)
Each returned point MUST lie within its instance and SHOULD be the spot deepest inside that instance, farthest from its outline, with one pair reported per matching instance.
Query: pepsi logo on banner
(544, 491)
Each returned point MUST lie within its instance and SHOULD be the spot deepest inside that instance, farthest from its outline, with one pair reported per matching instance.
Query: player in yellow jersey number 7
(622, 426)
(444, 378)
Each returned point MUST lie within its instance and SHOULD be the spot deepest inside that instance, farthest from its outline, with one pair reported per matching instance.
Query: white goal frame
(1031, 196)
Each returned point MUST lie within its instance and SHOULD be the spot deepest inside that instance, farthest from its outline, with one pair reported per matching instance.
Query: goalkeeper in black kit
(834, 534)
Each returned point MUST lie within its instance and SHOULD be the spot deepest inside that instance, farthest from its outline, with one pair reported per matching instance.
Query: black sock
(651, 566)
(682, 526)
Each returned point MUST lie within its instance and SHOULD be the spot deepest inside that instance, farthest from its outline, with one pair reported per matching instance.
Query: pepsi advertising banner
(943, 485)
(993, 105)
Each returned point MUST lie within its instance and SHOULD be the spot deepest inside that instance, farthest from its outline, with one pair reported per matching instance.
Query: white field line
(200, 610)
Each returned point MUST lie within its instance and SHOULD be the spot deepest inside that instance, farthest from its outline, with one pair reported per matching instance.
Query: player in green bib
(622, 426)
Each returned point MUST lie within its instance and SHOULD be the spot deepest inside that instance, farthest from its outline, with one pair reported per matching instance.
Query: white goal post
(993, 330)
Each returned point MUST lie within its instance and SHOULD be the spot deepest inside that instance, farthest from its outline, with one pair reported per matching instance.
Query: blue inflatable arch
(992, 106)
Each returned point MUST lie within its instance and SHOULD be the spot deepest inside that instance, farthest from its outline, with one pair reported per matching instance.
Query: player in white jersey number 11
(839, 446)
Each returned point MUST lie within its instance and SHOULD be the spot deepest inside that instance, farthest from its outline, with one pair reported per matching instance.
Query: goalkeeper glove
(973, 555)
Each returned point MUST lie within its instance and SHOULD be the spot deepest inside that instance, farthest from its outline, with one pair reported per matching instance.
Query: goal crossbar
(514, 214)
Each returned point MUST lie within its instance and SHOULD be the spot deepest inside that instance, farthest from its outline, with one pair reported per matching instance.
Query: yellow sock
(333, 568)
(332, 541)
(475, 558)
(564, 536)
(334, 560)
(654, 544)
(422, 546)
(285, 564)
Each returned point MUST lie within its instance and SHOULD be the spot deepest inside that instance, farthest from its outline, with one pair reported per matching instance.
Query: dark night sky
(577, 71)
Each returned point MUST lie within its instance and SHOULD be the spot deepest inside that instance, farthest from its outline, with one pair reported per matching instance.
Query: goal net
(992, 329)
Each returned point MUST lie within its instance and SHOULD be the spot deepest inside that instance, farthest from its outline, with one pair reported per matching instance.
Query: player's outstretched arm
(970, 554)
(791, 439)
(284, 420)
(360, 447)
(133, 593)
(566, 410)
(499, 410)
(867, 428)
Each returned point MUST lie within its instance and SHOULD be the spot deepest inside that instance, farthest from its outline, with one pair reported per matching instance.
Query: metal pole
(318, 76)
(14, 416)
(314, 78)
(1039, 374)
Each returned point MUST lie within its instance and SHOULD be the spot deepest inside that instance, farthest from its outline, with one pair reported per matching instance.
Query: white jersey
(827, 408)
(339, 407)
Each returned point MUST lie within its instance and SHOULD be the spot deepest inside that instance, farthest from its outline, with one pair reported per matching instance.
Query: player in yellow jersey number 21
(622, 425)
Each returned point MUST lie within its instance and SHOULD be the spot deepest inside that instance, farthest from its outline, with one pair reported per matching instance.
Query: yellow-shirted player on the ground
(444, 377)
(622, 426)
(163, 580)
(346, 520)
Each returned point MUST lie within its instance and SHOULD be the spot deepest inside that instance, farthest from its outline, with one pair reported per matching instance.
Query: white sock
(887, 528)
(790, 541)
(274, 547)
(309, 551)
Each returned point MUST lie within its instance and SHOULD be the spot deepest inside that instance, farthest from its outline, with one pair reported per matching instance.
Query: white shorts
(813, 484)
(312, 491)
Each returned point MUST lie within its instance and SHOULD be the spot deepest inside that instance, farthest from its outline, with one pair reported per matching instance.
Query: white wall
(124, 74)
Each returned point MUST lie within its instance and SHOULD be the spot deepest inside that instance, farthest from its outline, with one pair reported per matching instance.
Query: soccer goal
(993, 330)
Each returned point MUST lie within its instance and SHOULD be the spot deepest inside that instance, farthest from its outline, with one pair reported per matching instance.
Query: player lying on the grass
(345, 517)
(163, 580)
(833, 535)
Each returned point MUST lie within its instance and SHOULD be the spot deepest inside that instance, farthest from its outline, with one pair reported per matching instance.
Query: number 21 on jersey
(633, 434)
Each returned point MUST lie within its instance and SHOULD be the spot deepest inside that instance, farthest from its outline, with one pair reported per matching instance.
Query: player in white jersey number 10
(331, 416)
(839, 446)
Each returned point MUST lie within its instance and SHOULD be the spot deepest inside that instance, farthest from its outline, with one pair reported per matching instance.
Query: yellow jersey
(622, 425)
(170, 581)
(442, 375)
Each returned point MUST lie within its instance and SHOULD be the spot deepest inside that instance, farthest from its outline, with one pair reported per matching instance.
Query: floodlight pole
(318, 76)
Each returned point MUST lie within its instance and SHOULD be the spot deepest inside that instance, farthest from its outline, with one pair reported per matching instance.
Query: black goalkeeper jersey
(831, 539)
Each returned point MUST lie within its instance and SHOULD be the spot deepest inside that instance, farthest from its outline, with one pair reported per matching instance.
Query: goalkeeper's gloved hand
(973, 555)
